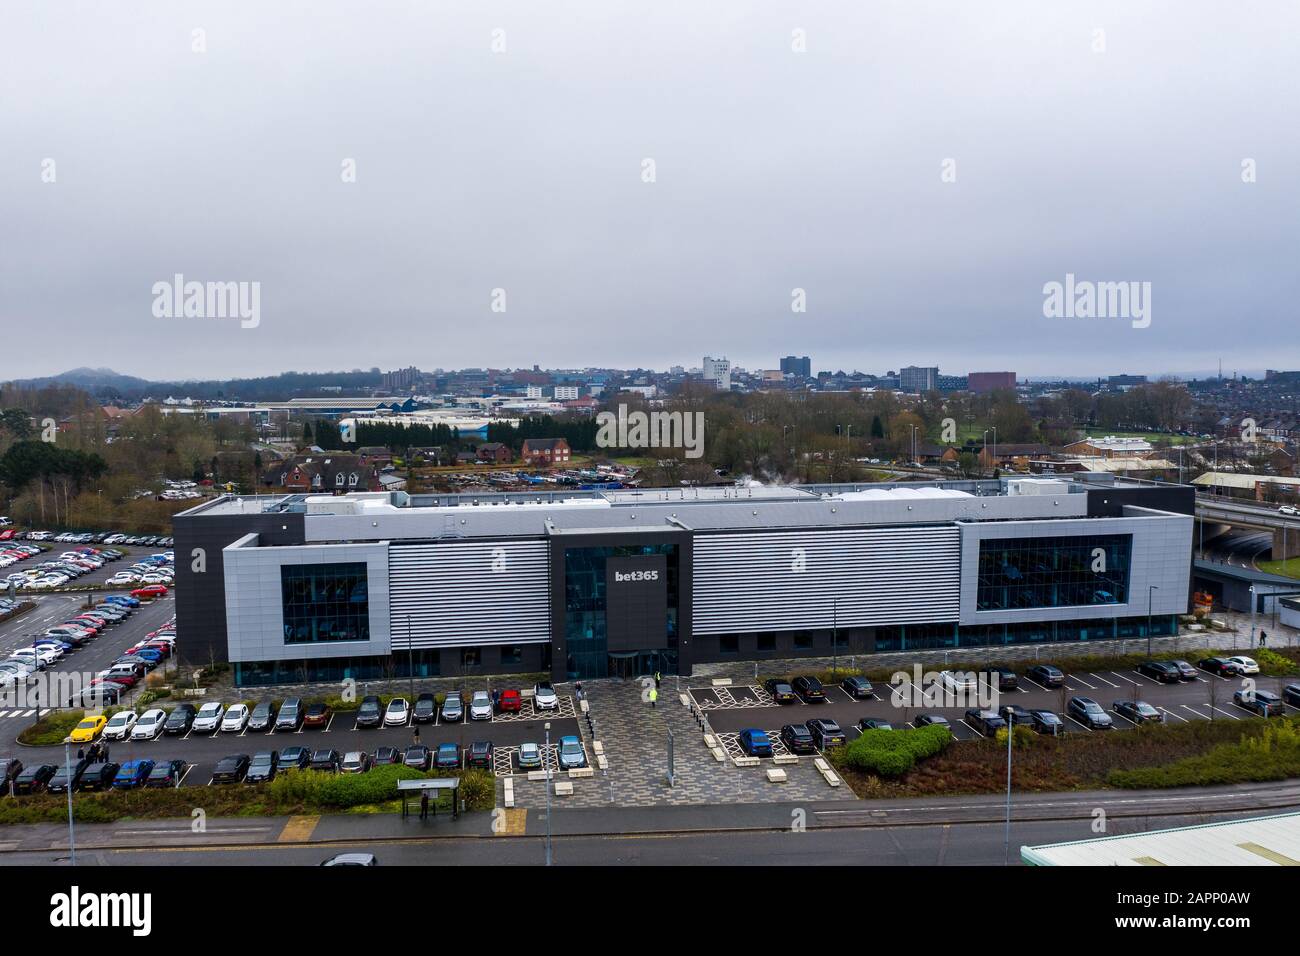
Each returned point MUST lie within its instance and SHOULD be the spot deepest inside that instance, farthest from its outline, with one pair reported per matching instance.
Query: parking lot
(732, 709)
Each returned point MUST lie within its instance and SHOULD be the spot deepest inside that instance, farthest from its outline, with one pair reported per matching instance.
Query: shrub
(478, 789)
(53, 728)
(1274, 664)
(891, 753)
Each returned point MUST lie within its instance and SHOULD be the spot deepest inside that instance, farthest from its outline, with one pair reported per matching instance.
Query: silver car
(452, 708)
(480, 706)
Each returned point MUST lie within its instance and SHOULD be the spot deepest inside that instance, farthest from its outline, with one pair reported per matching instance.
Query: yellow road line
(298, 829)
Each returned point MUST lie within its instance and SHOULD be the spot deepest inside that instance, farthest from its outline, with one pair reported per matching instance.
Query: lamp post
(1253, 601)
(835, 635)
(1150, 590)
(410, 659)
(1006, 839)
(914, 461)
(67, 762)
(546, 755)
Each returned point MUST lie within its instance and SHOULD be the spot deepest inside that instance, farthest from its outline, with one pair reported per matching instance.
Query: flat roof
(1260, 841)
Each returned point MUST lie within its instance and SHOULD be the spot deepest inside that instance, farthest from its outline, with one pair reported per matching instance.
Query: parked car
(262, 766)
(293, 758)
(544, 697)
(180, 720)
(453, 708)
(479, 754)
(1089, 713)
(34, 778)
(132, 774)
(826, 733)
(1245, 665)
(507, 701)
(149, 725)
(931, 720)
(1262, 702)
(355, 761)
(958, 682)
(325, 759)
(231, 769)
(809, 689)
(68, 776)
(480, 706)
(781, 691)
(88, 729)
(1186, 671)
(986, 723)
(1219, 667)
(874, 723)
(1291, 694)
(262, 718)
(398, 712)
(571, 754)
(1015, 714)
(385, 756)
(1165, 672)
(370, 713)
(1045, 675)
(1137, 711)
(798, 739)
(290, 717)
(425, 710)
(1047, 722)
(754, 742)
(317, 715)
(1003, 678)
(235, 720)
(447, 756)
(208, 719)
(99, 776)
(10, 768)
(530, 756)
(859, 688)
(167, 773)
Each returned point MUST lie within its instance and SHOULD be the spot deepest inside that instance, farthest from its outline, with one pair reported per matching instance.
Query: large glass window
(1053, 572)
(325, 602)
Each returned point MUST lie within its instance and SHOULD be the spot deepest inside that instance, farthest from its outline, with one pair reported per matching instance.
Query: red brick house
(323, 474)
(494, 452)
(545, 451)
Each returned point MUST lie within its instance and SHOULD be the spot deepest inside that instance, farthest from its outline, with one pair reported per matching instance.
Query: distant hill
(104, 384)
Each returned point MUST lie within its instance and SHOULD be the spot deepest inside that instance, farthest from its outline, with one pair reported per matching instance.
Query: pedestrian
(81, 753)
(658, 678)
(1263, 638)
(103, 753)
(424, 804)
(654, 696)
(415, 734)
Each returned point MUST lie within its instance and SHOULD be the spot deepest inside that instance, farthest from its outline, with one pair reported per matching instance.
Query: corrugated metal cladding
(748, 582)
(469, 593)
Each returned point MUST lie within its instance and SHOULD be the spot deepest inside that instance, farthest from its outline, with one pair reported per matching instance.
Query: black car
(781, 691)
(68, 776)
(1015, 714)
(859, 688)
(293, 758)
(809, 688)
(1089, 713)
(418, 756)
(99, 776)
(1138, 711)
(1003, 679)
(986, 723)
(1219, 667)
(426, 709)
(1047, 722)
(930, 720)
(35, 778)
(371, 712)
(874, 723)
(325, 759)
(387, 755)
(263, 716)
(1185, 670)
(10, 768)
(479, 754)
(180, 720)
(826, 733)
(798, 739)
(1165, 672)
(1291, 694)
(262, 766)
(1262, 702)
(166, 773)
(1045, 675)
(290, 716)
(230, 769)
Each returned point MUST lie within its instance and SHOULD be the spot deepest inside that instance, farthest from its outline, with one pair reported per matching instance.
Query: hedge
(1273, 754)
(891, 753)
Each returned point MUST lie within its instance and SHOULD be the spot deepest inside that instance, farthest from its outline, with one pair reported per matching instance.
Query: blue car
(148, 653)
(755, 742)
(447, 755)
(571, 755)
(133, 774)
(123, 599)
(64, 646)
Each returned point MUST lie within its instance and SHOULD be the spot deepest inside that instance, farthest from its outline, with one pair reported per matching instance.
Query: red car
(7, 534)
(149, 592)
(508, 701)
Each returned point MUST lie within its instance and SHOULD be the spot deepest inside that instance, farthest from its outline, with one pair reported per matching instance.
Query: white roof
(1228, 479)
(1262, 841)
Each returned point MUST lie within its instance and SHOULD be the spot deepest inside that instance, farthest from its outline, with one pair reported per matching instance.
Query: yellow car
(88, 730)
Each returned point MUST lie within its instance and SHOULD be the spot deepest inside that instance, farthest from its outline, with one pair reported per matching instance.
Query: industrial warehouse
(580, 585)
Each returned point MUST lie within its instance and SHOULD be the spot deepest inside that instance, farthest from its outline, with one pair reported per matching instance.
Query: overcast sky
(523, 170)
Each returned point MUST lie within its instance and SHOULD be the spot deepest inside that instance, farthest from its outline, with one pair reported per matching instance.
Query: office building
(915, 379)
(795, 365)
(718, 371)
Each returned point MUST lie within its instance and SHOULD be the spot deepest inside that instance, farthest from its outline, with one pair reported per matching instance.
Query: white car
(43, 657)
(545, 698)
(480, 706)
(236, 719)
(123, 577)
(120, 724)
(1289, 510)
(150, 724)
(961, 682)
(397, 713)
(1247, 664)
(208, 719)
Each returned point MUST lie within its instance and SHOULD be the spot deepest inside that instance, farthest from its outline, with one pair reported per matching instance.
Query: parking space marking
(1227, 713)
(1103, 680)
(1171, 714)
(1082, 681)
(1073, 721)
(1122, 677)
(1123, 718)
(1144, 677)
(1038, 685)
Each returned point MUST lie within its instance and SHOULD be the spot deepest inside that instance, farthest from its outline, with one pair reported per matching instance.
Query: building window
(470, 657)
(512, 654)
(839, 639)
(766, 643)
(1017, 573)
(338, 479)
(325, 602)
(729, 644)
(803, 641)
(352, 479)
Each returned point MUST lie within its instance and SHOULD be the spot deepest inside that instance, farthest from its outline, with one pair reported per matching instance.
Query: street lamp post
(67, 762)
(1150, 590)
(410, 659)
(1006, 840)
(1253, 601)
(835, 635)
(546, 755)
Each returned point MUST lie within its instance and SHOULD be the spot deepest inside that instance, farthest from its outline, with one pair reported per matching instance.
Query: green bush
(478, 788)
(322, 789)
(52, 729)
(891, 753)
(1274, 664)
(1273, 754)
